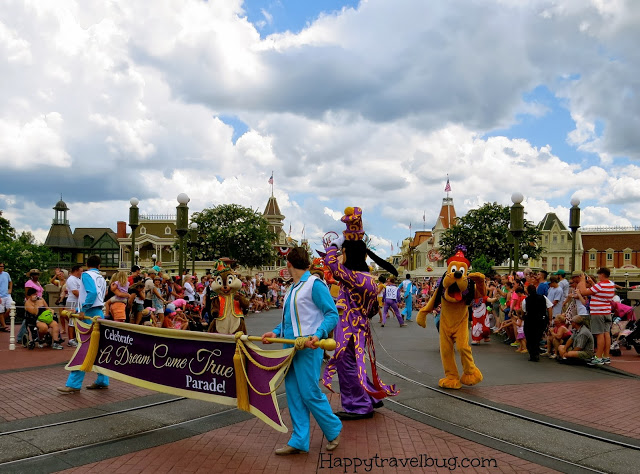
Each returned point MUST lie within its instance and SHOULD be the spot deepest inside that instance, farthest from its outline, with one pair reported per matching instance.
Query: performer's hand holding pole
(311, 343)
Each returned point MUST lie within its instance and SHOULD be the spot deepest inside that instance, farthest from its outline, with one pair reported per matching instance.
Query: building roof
(610, 240)
(60, 236)
(548, 220)
(447, 213)
(420, 237)
(272, 208)
(61, 206)
(94, 232)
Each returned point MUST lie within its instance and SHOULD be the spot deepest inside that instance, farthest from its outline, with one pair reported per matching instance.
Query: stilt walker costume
(357, 302)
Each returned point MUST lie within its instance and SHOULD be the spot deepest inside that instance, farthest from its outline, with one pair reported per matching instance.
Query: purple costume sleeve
(358, 293)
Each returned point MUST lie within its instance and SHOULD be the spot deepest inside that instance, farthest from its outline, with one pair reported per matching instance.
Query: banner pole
(326, 344)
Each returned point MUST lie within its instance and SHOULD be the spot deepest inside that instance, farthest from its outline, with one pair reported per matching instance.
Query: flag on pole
(391, 247)
(289, 229)
(271, 179)
(447, 188)
(424, 216)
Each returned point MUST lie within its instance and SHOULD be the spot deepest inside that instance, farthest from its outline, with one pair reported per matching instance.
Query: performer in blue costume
(309, 311)
(407, 290)
(91, 298)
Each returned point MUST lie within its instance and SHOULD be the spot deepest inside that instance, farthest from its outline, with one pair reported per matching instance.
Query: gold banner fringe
(94, 342)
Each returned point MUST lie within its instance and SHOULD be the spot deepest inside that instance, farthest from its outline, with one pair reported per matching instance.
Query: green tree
(483, 265)
(484, 231)
(7, 233)
(237, 232)
(20, 254)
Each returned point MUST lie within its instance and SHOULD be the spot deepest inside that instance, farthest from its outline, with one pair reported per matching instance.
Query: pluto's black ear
(439, 292)
(470, 294)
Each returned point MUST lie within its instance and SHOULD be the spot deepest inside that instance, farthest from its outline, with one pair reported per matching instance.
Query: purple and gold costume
(358, 293)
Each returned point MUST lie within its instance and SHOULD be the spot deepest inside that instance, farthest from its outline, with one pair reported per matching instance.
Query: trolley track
(66, 457)
(606, 443)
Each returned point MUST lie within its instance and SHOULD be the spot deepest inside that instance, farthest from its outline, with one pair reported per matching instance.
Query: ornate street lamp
(182, 227)
(136, 254)
(516, 226)
(133, 223)
(154, 257)
(574, 225)
(193, 236)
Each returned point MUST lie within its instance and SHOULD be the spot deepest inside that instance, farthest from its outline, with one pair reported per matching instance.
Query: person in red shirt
(601, 294)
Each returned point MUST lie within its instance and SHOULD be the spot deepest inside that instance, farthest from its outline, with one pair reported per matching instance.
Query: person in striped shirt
(601, 294)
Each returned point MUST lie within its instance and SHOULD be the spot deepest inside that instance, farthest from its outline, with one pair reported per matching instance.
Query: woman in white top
(189, 292)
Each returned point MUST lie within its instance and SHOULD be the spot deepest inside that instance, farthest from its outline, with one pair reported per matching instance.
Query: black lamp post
(193, 236)
(182, 227)
(516, 226)
(133, 223)
(574, 225)
(510, 245)
(136, 254)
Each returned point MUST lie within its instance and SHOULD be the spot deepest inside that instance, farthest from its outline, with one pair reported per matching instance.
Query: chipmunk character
(229, 302)
(455, 293)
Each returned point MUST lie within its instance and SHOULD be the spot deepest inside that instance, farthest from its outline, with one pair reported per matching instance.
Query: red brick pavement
(605, 405)
(248, 447)
(33, 393)
(21, 357)
(629, 362)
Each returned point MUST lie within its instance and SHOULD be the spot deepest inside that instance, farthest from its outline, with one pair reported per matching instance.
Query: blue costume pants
(304, 396)
(77, 376)
(408, 308)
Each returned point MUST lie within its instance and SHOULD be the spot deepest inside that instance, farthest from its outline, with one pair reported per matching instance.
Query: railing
(157, 217)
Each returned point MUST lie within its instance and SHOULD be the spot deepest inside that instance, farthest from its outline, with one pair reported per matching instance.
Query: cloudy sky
(369, 103)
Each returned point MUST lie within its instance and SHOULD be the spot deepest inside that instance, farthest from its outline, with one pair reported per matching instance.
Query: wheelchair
(29, 337)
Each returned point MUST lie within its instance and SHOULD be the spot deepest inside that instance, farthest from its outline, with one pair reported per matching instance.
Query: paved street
(417, 422)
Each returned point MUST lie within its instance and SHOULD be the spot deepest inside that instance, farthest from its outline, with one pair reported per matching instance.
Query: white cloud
(371, 107)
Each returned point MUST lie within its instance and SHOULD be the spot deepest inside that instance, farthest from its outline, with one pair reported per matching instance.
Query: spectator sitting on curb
(580, 344)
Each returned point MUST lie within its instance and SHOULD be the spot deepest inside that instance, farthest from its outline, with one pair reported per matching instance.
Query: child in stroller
(624, 329)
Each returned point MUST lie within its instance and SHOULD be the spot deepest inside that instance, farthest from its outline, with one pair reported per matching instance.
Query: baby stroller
(625, 332)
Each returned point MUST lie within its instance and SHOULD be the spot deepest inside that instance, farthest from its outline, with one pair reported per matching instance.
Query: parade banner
(218, 368)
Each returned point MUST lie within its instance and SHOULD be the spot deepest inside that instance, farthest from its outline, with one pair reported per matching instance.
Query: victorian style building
(75, 247)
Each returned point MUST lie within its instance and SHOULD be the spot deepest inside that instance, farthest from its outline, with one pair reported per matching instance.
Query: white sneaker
(57, 346)
(72, 343)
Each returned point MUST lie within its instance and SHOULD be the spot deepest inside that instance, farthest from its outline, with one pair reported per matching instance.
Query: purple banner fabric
(194, 365)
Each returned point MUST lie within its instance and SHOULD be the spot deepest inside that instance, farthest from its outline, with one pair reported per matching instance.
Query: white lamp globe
(134, 201)
(575, 201)
(517, 198)
(183, 198)
(194, 225)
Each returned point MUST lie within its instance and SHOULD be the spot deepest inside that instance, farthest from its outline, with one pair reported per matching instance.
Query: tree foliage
(484, 231)
(237, 232)
(483, 265)
(20, 254)
(7, 233)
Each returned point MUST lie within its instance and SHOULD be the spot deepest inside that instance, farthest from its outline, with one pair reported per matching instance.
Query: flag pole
(272, 183)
